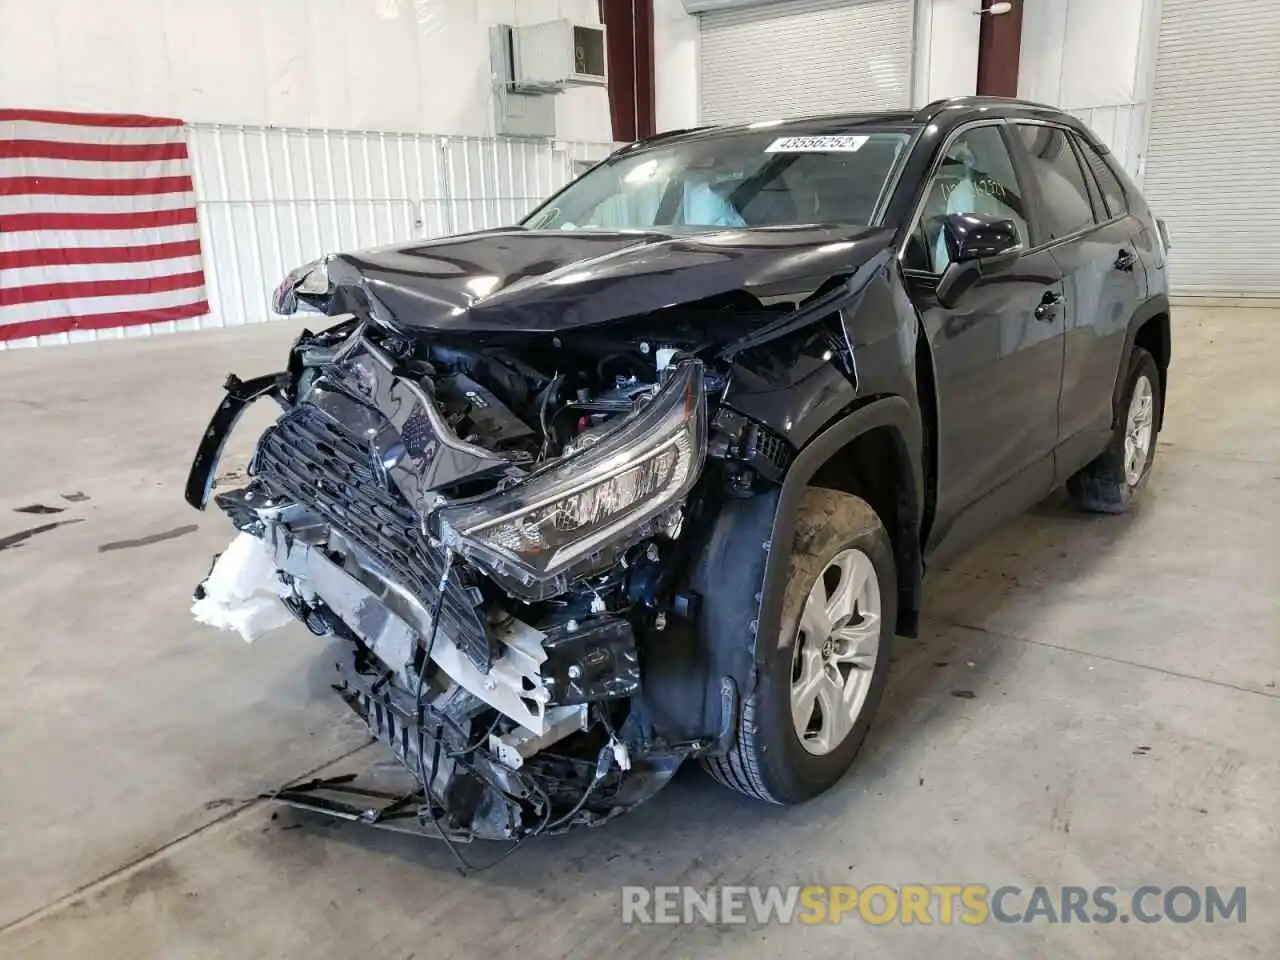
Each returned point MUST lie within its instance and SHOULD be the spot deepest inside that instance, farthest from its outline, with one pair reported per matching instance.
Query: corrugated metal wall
(798, 57)
(271, 198)
(1215, 134)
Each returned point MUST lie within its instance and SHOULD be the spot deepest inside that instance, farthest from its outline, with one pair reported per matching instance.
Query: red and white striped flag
(97, 223)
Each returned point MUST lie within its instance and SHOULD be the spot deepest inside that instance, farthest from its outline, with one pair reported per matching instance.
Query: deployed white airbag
(243, 591)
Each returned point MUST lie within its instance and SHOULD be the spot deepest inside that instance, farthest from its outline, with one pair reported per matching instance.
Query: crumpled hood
(541, 281)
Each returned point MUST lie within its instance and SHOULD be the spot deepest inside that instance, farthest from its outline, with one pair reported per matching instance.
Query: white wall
(403, 66)
(946, 50)
(1094, 58)
(675, 66)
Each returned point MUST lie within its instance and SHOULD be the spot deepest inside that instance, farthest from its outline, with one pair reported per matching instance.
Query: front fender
(893, 412)
(857, 342)
(742, 573)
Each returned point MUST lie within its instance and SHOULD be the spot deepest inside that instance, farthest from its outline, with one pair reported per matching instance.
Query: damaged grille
(312, 461)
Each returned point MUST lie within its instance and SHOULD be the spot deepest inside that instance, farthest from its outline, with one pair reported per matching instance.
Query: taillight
(1164, 235)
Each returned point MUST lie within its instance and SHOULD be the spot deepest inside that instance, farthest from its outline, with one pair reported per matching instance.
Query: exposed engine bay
(500, 532)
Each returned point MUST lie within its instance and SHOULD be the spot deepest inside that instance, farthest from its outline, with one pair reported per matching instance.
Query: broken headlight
(611, 490)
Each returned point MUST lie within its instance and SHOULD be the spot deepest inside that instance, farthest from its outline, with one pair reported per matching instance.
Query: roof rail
(666, 134)
(931, 110)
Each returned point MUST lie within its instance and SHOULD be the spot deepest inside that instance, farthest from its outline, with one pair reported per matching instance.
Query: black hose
(553, 388)
(477, 744)
(602, 769)
(463, 866)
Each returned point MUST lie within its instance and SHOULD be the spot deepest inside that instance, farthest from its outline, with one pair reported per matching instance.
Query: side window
(1112, 191)
(1063, 193)
(976, 176)
(1100, 214)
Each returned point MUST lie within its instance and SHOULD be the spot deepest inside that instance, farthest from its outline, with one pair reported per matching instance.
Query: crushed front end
(494, 530)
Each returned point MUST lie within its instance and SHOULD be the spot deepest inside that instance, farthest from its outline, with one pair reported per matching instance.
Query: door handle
(1125, 260)
(1048, 309)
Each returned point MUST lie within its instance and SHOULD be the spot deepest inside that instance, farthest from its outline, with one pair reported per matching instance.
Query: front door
(997, 354)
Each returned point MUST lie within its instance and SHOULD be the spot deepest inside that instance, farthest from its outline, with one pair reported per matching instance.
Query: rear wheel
(823, 677)
(1112, 482)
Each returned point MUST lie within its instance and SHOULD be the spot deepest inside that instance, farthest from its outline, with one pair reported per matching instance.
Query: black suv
(656, 473)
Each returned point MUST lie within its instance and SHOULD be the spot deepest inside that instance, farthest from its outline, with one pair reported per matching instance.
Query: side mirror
(978, 246)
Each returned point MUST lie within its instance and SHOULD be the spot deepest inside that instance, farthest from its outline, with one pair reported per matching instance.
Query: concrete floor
(132, 742)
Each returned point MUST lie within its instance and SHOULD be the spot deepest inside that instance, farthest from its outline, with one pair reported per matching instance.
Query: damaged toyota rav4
(655, 474)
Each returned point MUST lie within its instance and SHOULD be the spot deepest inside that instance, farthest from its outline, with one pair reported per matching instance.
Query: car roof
(833, 123)
(945, 113)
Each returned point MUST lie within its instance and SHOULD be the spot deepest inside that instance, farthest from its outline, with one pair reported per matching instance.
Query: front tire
(1112, 482)
(823, 676)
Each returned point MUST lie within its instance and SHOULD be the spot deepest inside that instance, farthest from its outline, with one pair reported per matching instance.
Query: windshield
(740, 180)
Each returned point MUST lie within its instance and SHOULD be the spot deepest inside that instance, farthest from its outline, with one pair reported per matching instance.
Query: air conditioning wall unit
(549, 57)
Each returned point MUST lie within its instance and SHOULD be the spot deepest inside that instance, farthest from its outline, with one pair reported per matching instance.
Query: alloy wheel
(836, 647)
(1139, 430)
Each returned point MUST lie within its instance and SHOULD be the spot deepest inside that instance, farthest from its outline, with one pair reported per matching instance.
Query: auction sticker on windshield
(830, 144)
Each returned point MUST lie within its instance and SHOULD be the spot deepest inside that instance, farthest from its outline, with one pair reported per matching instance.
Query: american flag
(97, 223)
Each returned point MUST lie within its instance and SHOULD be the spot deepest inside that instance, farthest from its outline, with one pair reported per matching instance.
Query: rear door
(1095, 243)
(997, 354)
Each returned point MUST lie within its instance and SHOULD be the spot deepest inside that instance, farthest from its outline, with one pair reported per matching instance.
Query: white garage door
(1213, 160)
(790, 58)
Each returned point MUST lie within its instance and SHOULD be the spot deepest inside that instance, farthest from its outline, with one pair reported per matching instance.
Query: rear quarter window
(1108, 182)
